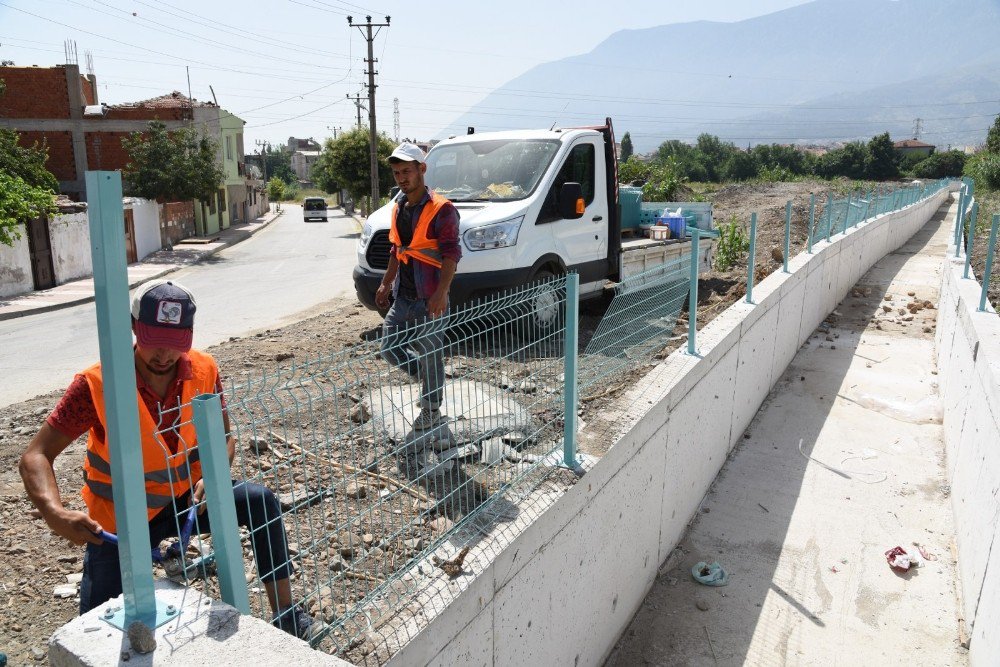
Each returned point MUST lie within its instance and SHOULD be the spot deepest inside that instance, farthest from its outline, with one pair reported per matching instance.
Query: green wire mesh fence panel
(639, 321)
(366, 491)
(842, 214)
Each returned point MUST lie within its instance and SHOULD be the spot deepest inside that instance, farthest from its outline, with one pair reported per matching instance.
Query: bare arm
(39, 478)
(385, 289)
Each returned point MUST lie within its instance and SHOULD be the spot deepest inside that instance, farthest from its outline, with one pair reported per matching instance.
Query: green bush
(733, 245)
(940, 165)
(663, 182)
(20, 202)
(984, 168)
(275, 189)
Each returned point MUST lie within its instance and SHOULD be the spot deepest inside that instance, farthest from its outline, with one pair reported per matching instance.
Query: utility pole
(366, 30)
(263, 157)
(395, 119)
(359, 104)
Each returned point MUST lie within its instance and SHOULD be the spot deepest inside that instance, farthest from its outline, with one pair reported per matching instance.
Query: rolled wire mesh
(365, 496)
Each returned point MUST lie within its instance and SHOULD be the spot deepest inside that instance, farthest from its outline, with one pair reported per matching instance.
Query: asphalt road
(272, 279)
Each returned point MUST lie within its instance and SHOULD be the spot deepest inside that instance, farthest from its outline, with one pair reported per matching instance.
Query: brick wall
(176, 222)
(88, 90)
(146, 113)
(60, 145)
(108, 154)
(34, 92)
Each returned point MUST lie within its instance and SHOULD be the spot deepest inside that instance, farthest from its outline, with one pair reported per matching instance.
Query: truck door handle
(598, 218)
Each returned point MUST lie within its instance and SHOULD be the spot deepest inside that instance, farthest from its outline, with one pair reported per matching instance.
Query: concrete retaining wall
(146, 216)
(15, 267)
(70, 238)
(968, 346)
(564, 588)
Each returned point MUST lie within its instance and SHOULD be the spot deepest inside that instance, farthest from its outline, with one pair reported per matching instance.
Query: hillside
(739, 79)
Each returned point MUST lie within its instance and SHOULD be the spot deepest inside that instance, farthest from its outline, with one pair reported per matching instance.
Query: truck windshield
(489, 170)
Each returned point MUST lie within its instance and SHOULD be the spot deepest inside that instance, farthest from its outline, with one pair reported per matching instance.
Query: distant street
(273, 278)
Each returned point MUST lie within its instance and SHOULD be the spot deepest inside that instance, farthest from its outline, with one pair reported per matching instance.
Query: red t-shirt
(75, 414)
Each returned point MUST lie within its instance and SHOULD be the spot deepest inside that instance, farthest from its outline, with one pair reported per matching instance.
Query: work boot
(427, 419)
(297, 621)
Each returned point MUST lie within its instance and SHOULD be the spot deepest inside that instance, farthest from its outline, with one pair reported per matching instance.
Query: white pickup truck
(516, 193)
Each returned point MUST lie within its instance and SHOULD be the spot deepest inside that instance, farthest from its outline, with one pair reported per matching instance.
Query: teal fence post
(829, 216)
(959, 219)
(847, 213)
(114, 331)
(812, 221)
(989, 263)
(569, 375)
(693, 294)
(214, 458)
(788, 235)
(969, 238)
(753, 256)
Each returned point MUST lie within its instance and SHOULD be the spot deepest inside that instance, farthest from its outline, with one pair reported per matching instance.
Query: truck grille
(378, 251)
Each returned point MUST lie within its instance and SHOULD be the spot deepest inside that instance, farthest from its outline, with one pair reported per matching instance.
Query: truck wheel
(546, 304)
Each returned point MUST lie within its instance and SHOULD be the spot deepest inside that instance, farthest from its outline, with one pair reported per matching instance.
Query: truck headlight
(497, 235)
(366, 235)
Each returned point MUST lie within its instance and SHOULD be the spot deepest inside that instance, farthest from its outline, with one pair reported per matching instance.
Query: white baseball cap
(407, 152)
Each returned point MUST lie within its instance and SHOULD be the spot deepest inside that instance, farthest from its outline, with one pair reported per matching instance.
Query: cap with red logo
(163, 315)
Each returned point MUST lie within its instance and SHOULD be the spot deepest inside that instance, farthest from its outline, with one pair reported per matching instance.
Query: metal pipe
(114, 334)
(829, 216)
(569, 371)
(693, 294)
(788, 235)
(989, 263)
(212, 449)
(969, 238)
(753, 256)
(812, 221)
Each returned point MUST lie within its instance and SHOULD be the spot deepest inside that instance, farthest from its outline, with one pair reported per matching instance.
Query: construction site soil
(36, 562)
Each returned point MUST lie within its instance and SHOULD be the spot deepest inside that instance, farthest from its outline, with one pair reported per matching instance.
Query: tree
(626, 148)
(993, 137)
(345, 162)
(26, 187)
(633, 171)
(741, 166)
(882, 161)
(275, 189)
(850, 161)
(171, 166)
(279, 163)
(26, 162)
(940, 165)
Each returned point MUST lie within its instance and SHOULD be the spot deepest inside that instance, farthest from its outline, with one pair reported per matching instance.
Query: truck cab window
(578, 168)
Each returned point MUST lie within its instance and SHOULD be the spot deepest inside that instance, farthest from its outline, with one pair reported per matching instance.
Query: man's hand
(437, 304)
(198, 494)
(382, 296)
(77, 527)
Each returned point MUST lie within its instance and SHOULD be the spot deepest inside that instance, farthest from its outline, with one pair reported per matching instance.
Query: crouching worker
(168, 374)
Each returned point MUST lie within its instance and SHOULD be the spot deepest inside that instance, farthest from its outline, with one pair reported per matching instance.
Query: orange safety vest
(421, 248)
(166, 475)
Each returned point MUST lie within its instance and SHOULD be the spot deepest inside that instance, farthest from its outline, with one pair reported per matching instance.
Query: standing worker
(422, 261)
(168, 374)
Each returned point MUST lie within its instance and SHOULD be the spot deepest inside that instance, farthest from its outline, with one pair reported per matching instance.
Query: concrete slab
(802, 532)
(206, 633)
(474, 411)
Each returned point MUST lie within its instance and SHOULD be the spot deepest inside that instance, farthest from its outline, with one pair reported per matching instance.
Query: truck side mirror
(571, 203)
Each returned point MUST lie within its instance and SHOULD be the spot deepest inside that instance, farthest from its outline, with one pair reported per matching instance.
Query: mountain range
(818, 73)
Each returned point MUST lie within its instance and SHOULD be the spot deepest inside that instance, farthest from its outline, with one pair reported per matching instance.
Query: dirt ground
(36, 562)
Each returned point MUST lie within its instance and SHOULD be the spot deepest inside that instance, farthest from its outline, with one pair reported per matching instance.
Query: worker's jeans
(415, 343)
(257, 508)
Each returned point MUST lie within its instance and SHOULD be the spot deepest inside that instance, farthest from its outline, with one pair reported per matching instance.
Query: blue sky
(286, 66)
